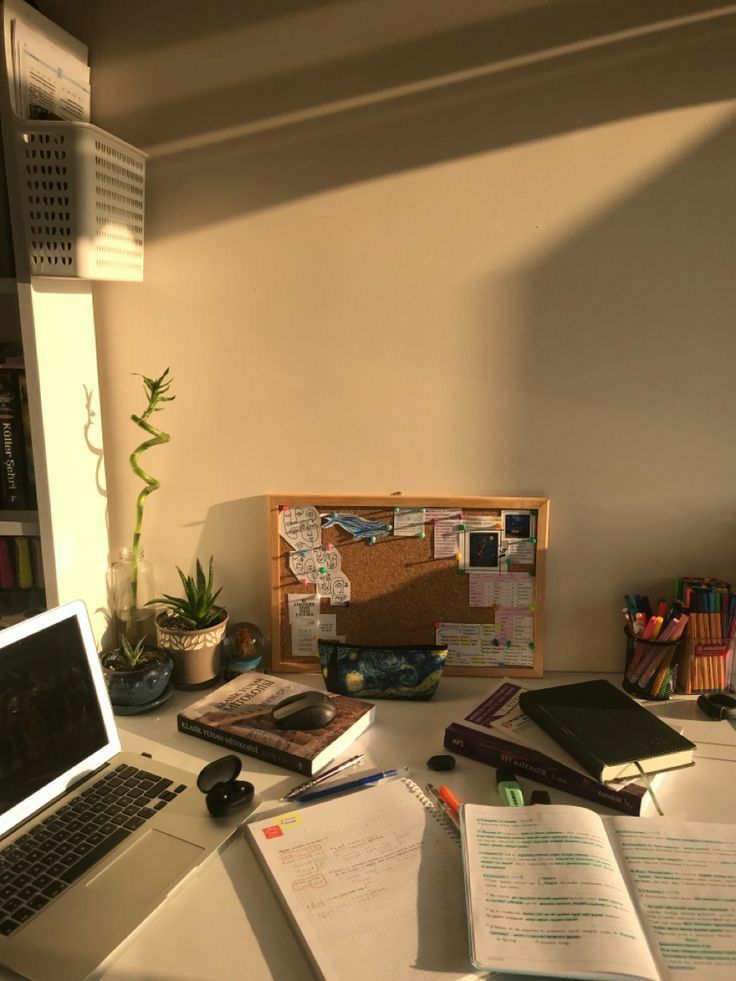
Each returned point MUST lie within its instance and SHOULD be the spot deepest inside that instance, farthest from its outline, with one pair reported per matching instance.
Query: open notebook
(373, 883)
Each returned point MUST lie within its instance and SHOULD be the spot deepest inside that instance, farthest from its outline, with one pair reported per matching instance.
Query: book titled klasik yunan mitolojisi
(238, 716)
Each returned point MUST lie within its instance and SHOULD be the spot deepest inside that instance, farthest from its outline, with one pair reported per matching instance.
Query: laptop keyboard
(44, 861)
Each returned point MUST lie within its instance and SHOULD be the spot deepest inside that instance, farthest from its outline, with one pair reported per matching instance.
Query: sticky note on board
(303, 607)
(409, 522)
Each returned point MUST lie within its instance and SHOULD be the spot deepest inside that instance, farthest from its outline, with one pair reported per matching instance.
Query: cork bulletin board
(468, 572)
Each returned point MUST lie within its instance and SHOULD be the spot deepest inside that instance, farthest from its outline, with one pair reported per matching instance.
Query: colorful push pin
(303, 551)
(532, 572)
(323, 569)
(437, 626)
(531, 645)
(533, 541)
(461, 527)
(495, 642)
(461, 571)
(397, 510)
(305, 582)
(372, 540)
(330, 546)
(508, 561)
(459, 556)
(422, 534)
(508, 643)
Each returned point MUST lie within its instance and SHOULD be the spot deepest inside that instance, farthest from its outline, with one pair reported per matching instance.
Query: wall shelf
(19, 523)
(51, 322)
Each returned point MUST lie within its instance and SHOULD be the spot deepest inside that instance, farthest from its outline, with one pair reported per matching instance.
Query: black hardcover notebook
(606, 731)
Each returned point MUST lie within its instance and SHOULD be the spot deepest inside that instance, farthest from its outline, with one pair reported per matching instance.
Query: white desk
(227, 924)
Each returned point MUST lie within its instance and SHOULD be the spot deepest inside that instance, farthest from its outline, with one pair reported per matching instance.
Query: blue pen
(346, 785)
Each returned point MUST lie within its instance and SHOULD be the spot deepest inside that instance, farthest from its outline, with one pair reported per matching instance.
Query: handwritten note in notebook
(563, 892)
(373, 882)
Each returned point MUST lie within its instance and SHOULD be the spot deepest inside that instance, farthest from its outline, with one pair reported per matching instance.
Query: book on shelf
(25, 415)
(573, 894)
(497, 732)
(13, 475)
(238, 716)
(605, 730)
(21, 574)
(372, 883)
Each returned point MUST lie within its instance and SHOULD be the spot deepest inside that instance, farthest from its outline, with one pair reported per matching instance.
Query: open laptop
(91, 839)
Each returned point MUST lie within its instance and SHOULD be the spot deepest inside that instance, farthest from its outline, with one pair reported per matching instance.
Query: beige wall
(464, 248)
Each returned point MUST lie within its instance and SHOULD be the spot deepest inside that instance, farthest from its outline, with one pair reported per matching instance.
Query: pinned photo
(517, 524)
(481, 552)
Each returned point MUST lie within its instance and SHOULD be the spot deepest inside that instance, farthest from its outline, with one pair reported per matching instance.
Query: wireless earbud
(223, 793)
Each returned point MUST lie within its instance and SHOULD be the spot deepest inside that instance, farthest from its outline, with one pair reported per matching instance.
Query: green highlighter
(508, 788)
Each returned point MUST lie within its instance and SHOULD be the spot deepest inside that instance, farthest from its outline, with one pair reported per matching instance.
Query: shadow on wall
(265, 167)
(294, 128)
(626, 401)
(236, 534)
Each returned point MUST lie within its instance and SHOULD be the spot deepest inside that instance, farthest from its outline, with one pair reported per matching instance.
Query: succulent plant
(198, 607)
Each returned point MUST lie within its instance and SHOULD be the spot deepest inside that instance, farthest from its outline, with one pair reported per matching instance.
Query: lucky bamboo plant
(157, 393)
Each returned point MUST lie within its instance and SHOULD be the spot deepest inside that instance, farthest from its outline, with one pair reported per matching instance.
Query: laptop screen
(51, 720)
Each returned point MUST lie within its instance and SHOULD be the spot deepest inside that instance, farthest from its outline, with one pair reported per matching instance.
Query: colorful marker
(450, 799)
(509, 791)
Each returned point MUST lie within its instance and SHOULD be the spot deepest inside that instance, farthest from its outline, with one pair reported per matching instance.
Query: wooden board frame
(399, 590)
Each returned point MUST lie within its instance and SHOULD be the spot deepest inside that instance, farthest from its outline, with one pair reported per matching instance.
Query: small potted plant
(136, 675)
(192, 628)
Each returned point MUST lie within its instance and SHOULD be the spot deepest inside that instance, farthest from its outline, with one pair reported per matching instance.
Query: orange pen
(450, 799)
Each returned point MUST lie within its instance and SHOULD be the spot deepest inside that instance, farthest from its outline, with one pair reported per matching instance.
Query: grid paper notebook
(373, 883)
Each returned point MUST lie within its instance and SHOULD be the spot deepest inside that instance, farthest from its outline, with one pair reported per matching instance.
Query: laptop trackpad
(147, 869)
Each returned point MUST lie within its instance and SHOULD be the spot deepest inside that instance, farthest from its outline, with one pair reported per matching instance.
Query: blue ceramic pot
(141, 685)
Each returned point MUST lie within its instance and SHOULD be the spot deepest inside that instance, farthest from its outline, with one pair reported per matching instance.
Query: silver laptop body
(58, 740)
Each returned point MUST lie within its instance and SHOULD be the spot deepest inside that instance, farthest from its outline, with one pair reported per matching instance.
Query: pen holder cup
(652, 666)
(409, 672)
(706, 664)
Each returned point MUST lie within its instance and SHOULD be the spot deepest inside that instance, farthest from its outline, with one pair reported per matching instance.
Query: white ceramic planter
(197, 654)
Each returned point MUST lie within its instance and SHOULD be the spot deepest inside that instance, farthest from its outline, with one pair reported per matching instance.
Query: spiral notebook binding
(439, 816)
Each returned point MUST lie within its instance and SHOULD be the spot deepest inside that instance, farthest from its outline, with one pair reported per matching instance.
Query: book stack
(17, 479)
(605, 730)
(21, 574)
(500, 733)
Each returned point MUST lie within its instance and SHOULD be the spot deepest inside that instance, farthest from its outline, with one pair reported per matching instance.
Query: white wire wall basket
(83, 201)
